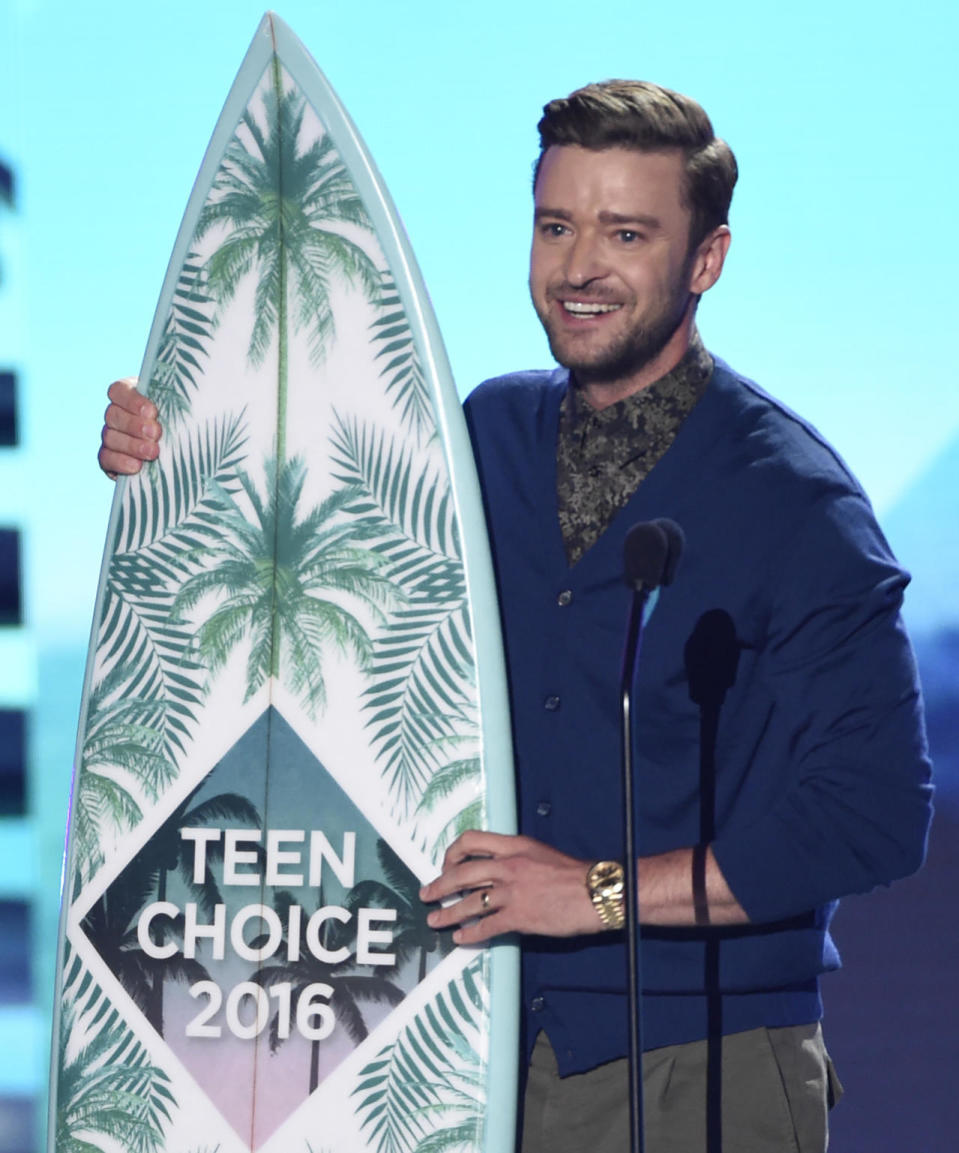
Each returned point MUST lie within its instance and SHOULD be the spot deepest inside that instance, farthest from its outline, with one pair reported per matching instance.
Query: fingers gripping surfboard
(295, 694)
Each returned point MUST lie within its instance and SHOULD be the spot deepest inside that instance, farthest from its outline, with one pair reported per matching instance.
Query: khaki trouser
(778, 1086)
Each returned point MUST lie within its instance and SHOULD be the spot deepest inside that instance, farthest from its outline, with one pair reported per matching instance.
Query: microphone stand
(650, 556)
(630, 887)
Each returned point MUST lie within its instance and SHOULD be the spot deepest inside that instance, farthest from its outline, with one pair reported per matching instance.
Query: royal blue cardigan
(822, 779)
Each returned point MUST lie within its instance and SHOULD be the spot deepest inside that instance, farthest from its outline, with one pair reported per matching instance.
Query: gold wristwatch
(604, 882)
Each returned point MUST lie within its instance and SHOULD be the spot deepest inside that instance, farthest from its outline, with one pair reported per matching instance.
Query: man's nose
(585, 261)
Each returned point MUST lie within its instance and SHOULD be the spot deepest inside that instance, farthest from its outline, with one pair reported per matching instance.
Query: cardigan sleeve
(842, 675)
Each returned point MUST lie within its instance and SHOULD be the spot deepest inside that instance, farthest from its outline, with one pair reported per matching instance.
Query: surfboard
(295, 695)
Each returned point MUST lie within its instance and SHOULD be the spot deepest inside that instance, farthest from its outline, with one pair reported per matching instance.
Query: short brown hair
(638, 115)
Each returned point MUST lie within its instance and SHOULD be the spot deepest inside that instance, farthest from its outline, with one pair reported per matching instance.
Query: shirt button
(543, 809)
(565, 598)
(551, 704)
(537, 1004)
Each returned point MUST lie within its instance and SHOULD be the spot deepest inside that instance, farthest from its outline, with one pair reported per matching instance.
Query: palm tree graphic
(172, 855)
(292, 219)
(413, 936)
(111, 923)
(351, 983)
(289, 206)
(273, 573)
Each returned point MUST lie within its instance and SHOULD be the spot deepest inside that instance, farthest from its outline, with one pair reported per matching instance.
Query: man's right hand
(131, 431)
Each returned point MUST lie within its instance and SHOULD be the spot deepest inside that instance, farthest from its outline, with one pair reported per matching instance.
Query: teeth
(580, 308)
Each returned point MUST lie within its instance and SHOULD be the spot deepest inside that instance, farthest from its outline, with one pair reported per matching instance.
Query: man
(821, 777)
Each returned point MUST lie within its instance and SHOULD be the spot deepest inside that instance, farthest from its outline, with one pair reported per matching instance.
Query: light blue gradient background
(837, 294)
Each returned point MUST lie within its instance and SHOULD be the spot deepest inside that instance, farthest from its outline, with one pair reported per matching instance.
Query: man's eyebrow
(642, 219)
(636, 219)
(554, 213)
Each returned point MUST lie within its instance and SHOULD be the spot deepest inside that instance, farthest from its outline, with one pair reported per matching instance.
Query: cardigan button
(565, 598)
(551, 704)
(543, 809)
(538, 1004)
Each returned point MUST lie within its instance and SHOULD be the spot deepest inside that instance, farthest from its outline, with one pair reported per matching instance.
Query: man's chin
(597, 368)
(583, 361)
(609, 364)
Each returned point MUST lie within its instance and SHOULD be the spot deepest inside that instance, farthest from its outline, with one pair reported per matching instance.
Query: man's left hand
(508, 884)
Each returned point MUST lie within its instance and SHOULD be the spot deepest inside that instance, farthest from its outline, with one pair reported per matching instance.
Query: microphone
(651, 554)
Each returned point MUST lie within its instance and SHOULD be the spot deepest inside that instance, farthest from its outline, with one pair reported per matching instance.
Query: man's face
(610, 262)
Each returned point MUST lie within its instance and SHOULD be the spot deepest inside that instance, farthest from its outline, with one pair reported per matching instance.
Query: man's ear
(708, 261)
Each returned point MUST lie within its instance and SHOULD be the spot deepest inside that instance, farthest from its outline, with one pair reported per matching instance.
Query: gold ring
(484, 900)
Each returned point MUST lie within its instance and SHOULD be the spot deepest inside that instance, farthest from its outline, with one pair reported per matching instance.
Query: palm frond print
(149, 686)
(124, 760)
(424, 1090)
(186, 334)
(108, 1087)
(422, 671)
(456, 779)
(400, 368)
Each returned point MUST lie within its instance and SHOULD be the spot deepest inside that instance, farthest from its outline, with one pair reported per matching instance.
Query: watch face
(606, 875)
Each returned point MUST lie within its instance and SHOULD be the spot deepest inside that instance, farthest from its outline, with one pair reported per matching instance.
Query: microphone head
(651, 553)
(677, 542)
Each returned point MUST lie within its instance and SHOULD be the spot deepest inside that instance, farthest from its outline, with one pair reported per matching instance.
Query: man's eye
(628, 235)
(551, 229)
